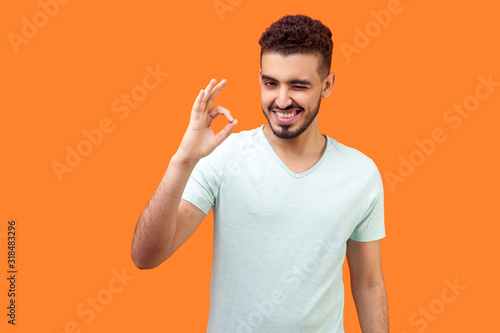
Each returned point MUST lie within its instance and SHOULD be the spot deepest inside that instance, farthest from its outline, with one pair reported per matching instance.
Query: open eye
(270, 84)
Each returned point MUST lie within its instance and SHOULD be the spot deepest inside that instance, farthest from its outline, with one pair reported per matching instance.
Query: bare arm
(157, 225)
(167, 221)
(368, 286)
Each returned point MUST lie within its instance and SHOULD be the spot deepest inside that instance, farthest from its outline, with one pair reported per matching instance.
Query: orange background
(441, 222)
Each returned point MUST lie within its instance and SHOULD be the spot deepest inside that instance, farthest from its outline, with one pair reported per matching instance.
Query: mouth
(285, 117)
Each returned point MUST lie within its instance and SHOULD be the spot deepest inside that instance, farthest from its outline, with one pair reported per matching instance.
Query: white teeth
(286, 115)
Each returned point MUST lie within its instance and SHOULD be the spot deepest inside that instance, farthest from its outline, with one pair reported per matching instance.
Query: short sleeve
(372, 226)
(202, 188)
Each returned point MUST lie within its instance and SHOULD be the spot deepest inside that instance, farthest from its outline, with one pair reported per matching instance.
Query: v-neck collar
(280, 162)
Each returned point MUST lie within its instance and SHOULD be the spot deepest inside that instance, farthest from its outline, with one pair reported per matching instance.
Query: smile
(286, 117)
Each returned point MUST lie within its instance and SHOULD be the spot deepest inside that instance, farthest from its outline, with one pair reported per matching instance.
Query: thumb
(225, 132)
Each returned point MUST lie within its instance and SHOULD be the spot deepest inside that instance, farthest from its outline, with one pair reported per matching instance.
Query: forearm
(371, 305)
(156, 226)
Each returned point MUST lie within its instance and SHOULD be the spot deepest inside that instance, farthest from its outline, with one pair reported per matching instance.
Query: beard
(284, 131)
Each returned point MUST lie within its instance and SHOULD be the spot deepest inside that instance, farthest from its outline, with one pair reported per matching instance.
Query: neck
(310, 143)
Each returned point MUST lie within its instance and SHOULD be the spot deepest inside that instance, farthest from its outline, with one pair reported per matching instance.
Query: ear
(328, 85)
(260, 76)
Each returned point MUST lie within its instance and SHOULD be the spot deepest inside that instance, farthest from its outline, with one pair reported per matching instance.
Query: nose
(283, 100)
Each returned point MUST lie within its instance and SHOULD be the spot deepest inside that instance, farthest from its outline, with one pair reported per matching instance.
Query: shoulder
(247, 135)
(244, 139)
(349, 158)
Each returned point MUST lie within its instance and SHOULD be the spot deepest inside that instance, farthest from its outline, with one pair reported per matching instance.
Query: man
(289, 202)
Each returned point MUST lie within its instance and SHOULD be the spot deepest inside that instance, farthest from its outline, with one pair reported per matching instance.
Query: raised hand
(199, 139)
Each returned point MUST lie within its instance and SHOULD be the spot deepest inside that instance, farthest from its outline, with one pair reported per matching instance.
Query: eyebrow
(293, 81)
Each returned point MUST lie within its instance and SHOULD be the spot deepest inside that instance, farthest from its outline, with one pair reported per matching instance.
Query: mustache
(290, 107)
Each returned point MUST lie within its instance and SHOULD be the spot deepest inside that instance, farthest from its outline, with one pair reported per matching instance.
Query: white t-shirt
(280, 237)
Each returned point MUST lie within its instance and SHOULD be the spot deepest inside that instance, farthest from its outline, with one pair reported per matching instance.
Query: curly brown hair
(299, 34)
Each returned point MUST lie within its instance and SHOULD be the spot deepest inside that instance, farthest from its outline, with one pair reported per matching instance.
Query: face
(291, 92)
